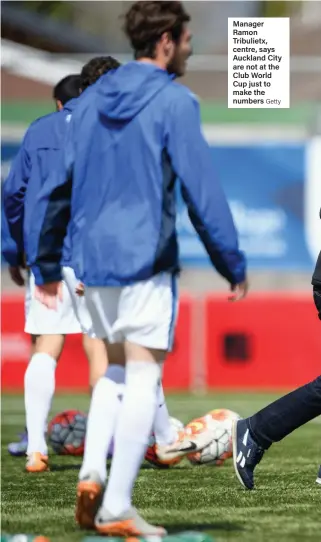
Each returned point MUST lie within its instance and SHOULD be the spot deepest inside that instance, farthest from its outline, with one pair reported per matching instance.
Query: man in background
(13, 249)
(37, 157)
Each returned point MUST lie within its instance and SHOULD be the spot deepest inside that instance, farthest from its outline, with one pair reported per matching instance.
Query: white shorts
(69, 318)
(144, 313)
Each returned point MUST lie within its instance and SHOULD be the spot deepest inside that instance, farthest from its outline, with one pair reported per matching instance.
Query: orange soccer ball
(225, 416)
(220, 448)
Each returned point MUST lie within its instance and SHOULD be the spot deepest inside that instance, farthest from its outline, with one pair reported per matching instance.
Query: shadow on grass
(147, 466)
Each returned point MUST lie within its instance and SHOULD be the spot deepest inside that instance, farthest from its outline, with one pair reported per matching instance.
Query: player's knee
(50, 344)
(137, 352)
(95, 350)
(96, 354)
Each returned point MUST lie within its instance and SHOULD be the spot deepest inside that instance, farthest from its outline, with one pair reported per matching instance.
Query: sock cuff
(43, 358)
(106, 386)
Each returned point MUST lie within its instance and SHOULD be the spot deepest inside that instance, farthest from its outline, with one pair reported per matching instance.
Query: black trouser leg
(286, 414)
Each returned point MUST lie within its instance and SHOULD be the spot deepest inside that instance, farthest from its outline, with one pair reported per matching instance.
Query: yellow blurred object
(281, 8)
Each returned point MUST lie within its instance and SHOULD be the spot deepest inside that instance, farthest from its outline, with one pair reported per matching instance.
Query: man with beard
(127, 149)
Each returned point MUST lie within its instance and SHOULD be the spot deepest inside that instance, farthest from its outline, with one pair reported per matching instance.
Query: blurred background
(269, 162)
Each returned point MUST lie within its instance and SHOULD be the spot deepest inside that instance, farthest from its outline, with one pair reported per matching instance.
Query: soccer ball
(218, 449)
(151, 455)
(225, 416)
(66, 432)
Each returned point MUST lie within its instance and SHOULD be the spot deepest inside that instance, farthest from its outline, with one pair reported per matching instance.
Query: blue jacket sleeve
(9, 247)
(206, 202)
(52, 210)
(14, 190)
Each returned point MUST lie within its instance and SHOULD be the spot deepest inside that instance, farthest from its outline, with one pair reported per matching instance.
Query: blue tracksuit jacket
(36, 160)
(126, 148)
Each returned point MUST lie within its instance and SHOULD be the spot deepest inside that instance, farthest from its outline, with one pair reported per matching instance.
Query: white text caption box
(259, 62)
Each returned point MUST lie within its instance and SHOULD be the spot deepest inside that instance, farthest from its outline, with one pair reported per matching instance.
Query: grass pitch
(285, 507)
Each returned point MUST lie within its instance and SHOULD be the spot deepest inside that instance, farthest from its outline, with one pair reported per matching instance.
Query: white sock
(165, 433)
(39, 391)
(163, 430)
(101, 423)
(133, 430)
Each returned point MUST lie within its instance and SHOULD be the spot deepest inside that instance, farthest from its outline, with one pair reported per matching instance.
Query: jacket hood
(127, 91)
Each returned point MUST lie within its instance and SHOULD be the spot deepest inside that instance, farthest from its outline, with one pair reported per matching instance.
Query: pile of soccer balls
(66, 435)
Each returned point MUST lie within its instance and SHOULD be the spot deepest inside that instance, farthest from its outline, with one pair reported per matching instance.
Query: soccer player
(163, 428)
(253, 436)
(127, 150)
(36, 158)
(13, 246)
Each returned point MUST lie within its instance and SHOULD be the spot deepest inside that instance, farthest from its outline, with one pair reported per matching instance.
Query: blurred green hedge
(62, 11)
(283, 8)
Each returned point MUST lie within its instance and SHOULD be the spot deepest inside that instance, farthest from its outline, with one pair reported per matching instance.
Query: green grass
(285, 507)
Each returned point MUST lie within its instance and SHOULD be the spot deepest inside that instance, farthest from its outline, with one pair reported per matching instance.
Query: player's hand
(16, 275)
(48, 294)
(239, 291)
(80, 289)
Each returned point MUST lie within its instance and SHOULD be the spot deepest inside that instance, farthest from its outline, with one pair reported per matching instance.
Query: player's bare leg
(95, 351)
(39, 385)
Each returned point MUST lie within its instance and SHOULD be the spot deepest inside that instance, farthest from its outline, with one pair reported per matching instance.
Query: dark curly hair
(96, 67)
(146, 22)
